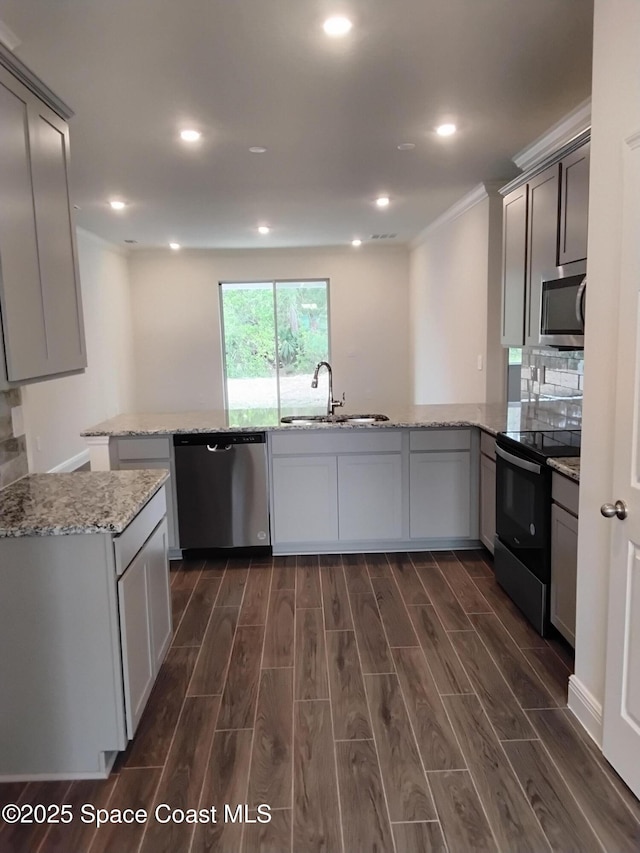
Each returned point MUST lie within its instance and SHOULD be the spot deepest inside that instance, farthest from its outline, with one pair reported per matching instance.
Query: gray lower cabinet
(564, 556)
(441, 502)
(370, 496)
(487, 491)
(133, 453)
(42, 331)
(145, 622)
(368, 489)
(440, 485)
(305, 499)
(85, 623)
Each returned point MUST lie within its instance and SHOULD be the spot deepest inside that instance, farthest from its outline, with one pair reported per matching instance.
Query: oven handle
(518, 462)
(580, 302)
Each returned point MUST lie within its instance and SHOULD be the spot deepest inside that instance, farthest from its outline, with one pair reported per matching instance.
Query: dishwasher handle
(216, 449)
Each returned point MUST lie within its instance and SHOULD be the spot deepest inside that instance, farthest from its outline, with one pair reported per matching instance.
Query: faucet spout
(331, 403)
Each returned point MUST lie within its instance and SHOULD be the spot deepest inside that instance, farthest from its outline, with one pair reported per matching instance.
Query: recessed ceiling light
(174, 246)
(337, 26)
(263, 229)
(190, 135)
(383, 201)
(117, 205)
(356, 243)
(258, 149)
(446, 129)
(406, 146)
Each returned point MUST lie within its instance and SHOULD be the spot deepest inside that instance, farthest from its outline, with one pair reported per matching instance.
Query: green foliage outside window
(251, 345)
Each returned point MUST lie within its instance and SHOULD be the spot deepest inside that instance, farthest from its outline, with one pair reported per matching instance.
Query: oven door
(523, 498)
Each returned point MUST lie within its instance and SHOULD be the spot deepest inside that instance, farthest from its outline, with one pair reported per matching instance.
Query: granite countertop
(80, 502)
(491, 417)
(567, 465)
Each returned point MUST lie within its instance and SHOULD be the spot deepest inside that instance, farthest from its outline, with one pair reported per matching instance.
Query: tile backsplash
(13, 451)
(549, 374)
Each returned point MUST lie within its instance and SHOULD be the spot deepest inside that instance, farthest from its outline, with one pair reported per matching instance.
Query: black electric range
(541, 445)
(523, 516)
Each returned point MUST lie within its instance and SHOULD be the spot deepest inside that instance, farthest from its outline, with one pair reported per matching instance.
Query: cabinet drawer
(487, 445)
(335, 441)
(133, 537)
(565, 492)
(440, 439)
(144, 448)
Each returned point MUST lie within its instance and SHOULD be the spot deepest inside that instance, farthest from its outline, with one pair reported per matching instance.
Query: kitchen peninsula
(408, 483)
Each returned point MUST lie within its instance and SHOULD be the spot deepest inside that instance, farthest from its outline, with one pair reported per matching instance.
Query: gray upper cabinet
(40, 304)
(574, 206)
(514, 235)
(542, 244)
(544, 225)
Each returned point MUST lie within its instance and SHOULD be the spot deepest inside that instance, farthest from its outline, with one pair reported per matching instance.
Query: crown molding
(558, 135)
(475, 196)
(33, 83)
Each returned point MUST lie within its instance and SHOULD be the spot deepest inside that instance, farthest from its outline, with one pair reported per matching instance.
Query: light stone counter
(569, 466)
(80, 502)
(492, 417)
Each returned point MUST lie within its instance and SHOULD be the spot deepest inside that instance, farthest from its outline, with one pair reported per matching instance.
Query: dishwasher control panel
(221, 438)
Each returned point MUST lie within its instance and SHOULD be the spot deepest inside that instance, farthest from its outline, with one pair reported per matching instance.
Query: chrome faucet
(332, 404)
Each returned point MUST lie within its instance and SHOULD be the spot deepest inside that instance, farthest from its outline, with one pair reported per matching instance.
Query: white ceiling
(330, 112)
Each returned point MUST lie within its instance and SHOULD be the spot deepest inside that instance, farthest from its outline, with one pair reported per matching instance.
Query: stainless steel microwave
(562, 307)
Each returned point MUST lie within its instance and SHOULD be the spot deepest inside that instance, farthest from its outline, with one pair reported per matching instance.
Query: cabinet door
(49, 145)
(159, 596)
(487, 500)
(370, 496)
(305, 499)
(542, 243)
(21, 306)
(574, 206)
(514, 238)
(135, 635)
(564, 566)
(439, 495)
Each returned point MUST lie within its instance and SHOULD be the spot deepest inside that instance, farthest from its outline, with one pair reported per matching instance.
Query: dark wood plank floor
(379, 703)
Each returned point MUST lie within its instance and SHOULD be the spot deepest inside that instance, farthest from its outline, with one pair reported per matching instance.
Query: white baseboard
(71, 464)
(586, 708)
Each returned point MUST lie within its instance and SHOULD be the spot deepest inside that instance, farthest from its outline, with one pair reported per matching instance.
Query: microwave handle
(580, 297)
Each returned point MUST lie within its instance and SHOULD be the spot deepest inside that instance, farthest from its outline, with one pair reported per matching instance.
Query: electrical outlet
(38, 443)
(480, 362)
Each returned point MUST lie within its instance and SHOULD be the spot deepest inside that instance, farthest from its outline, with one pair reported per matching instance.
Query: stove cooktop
(545, 443)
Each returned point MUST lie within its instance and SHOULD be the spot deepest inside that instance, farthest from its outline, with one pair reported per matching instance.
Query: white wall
(455, 308)
(616, 84)
(57, 410)
(176, 320)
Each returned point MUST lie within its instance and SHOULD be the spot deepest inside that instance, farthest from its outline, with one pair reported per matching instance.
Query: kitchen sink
(360, 419)
(302, 420)
(309, 420)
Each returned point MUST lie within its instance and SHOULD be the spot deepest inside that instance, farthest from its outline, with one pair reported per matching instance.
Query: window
(274, 333)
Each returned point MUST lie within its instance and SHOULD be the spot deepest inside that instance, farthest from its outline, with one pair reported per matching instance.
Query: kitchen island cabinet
(85, 618)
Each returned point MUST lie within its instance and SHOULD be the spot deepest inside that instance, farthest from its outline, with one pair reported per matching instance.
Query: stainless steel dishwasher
(221, 482)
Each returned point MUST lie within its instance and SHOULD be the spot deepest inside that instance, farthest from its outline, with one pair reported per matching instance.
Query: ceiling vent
(383, 236)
